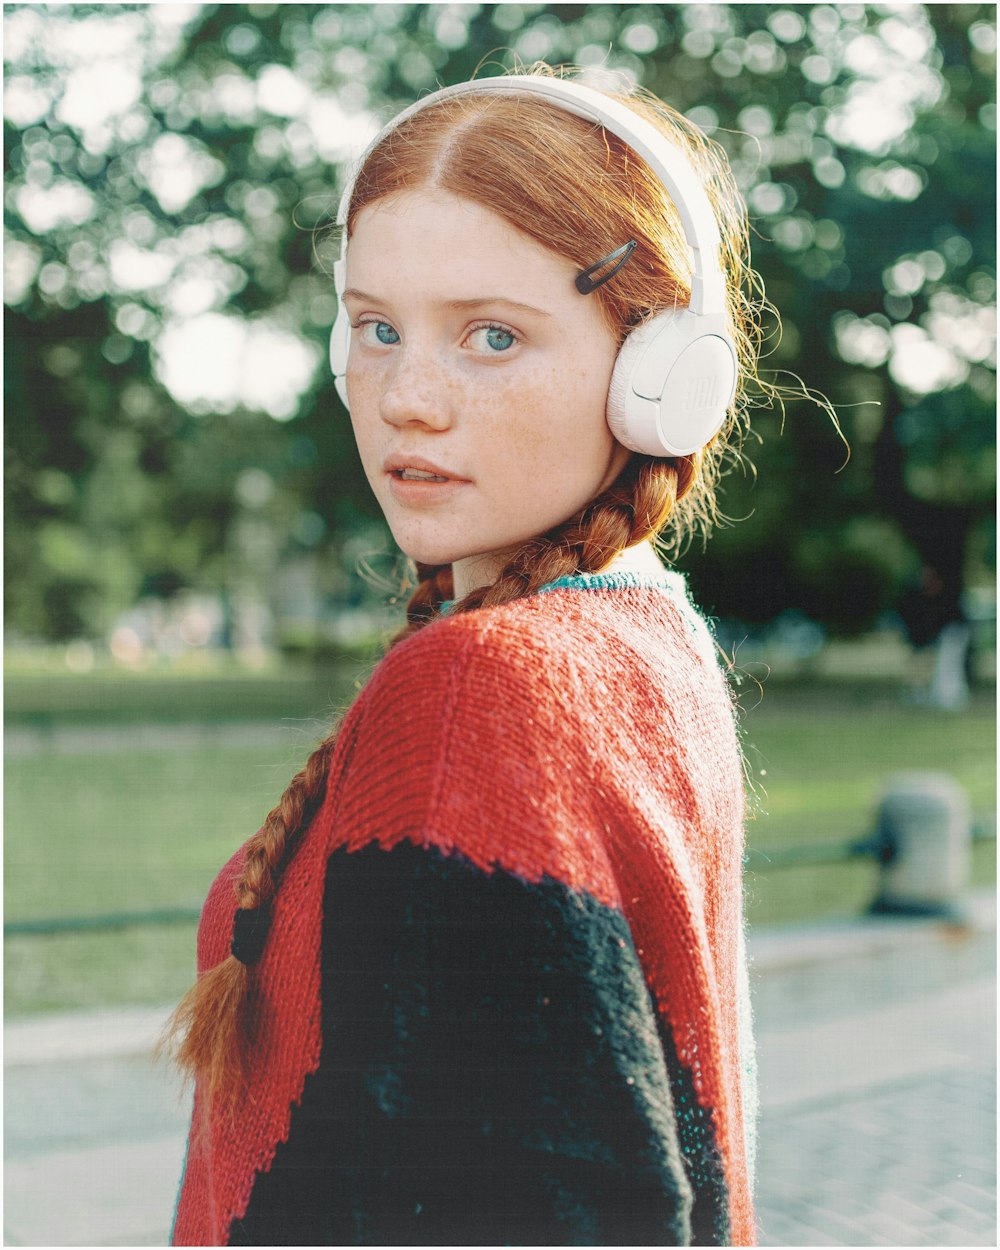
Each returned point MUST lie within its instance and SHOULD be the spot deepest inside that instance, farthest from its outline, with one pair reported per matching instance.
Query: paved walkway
(876, 1047)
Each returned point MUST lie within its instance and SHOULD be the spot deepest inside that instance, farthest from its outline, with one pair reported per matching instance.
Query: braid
(634, 508)
(210, 1029)
(434, 586)
(267, 849)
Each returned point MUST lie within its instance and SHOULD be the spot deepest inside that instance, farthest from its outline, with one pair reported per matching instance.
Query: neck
(472, 572)
(641, 559)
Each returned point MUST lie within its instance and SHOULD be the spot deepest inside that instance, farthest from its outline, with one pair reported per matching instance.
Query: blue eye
(491, 339)
(499, 339)
(385, 333)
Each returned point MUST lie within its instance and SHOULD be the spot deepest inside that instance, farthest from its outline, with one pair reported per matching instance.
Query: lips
(418, 469)
(416, 483)
(418, 475)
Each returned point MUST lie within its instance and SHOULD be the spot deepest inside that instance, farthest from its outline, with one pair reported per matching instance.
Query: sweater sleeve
(493, 1067)
(491, 1073)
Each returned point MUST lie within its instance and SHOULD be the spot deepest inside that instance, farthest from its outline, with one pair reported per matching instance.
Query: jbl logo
(702, 392)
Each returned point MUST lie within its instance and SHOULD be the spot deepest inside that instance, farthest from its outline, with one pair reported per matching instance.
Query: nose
(414, 392)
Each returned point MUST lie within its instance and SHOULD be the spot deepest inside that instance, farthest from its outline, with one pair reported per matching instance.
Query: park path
(876, 1043)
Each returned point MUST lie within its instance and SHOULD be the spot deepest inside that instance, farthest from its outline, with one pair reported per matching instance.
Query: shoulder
(465, 657)
(465, 744)
(549, 672)
(571, 651)
(478, 705)
(570, 623)
(517, 735)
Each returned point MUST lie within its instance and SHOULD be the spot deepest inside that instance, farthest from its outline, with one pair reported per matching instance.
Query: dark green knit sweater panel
(493, 1072)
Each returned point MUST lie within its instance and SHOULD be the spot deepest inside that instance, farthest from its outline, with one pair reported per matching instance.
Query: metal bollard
(925, 834)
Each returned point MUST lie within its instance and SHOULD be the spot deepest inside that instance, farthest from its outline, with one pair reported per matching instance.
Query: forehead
(431, 239)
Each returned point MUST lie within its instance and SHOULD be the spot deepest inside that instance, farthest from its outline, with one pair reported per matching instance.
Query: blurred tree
(170, 172)
(872, 143)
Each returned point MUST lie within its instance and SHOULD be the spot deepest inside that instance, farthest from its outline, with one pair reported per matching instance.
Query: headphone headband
(668, 162)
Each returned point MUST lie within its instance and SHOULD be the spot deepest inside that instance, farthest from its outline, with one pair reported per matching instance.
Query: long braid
(634, 508)
(210, 1030)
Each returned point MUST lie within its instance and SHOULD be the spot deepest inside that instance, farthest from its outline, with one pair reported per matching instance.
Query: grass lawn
(91, 832)
(818, 767)
(109, 832)
(122, 697)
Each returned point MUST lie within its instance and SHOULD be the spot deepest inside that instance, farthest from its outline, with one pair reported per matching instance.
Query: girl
(485, 981)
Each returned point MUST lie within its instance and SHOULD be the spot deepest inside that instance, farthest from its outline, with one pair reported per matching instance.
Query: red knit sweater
(581, 740)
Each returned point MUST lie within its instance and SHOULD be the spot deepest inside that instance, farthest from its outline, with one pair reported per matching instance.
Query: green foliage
(193, 172)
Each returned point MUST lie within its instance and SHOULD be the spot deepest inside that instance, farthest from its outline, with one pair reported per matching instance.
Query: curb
(799, 946)
(104, 1033)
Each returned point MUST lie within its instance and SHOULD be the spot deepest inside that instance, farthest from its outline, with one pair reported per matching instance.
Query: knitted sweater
(503, 999)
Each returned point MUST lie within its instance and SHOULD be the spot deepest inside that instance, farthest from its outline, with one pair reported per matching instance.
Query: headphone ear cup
(618, 392)
(672, 384)
(340, 345)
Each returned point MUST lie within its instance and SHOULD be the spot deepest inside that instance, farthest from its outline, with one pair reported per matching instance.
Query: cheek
(363, 395)
(368, 436)
(523, 404)
(549, 437)
(567, 406)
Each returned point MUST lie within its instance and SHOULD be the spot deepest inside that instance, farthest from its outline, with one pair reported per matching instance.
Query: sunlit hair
(580, 192)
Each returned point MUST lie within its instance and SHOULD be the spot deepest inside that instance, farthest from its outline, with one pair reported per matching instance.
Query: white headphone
(675, 375)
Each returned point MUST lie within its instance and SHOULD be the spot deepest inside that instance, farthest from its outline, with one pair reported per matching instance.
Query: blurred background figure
(934, 618)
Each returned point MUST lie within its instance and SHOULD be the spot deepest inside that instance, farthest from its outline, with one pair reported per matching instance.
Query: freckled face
(478, 379)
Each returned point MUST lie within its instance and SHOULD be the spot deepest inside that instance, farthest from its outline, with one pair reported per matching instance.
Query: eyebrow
(460, 304)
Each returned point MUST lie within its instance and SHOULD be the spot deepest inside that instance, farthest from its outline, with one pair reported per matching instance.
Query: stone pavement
(876, 1043)
(877, 1055)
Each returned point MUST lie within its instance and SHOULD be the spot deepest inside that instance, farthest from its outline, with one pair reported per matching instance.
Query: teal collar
(624, 580)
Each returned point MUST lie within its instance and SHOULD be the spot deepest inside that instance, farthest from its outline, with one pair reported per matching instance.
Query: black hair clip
(250, 926)
(586, 282)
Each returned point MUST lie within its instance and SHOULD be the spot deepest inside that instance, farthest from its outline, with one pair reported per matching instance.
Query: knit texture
(493, 1073)
(582, 741)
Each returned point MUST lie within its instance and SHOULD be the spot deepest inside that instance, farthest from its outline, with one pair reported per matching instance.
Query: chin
(428, 552)
(439, 553)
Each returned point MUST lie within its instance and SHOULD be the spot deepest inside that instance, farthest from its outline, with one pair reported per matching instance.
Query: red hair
(581, 192)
